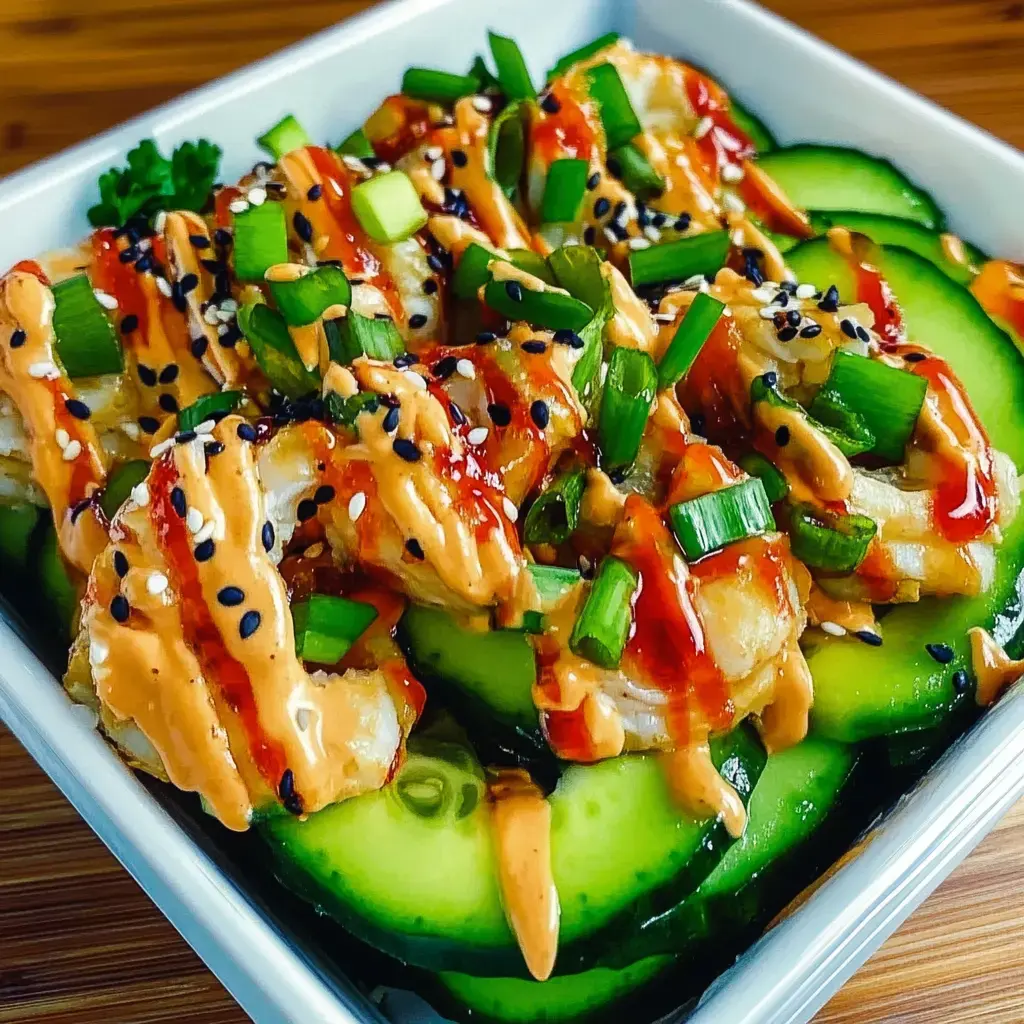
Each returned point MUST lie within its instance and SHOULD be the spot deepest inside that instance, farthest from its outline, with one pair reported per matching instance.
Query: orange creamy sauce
(993, 668)
(1000, 290)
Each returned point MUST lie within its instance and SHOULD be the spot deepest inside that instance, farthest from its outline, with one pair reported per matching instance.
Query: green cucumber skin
(354, 862)
(835, 178)
(862, 691)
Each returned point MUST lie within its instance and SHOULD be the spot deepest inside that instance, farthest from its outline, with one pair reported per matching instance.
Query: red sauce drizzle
(568, 736)
(119, 279)
(765, 558)
(714, 387)
(221, 205)
(698, 469)
(33, 268)
(414, 125)
(725, 143)
(874, 290)
(201, 633)
(567, 133)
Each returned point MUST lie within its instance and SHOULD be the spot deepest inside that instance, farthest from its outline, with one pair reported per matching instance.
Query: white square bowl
(804, 90)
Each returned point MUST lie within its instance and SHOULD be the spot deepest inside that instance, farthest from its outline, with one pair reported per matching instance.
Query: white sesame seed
(229, 306)
(768, 312)
(694, 282)
(639, 243)
(663, 318)
(466, 369)
(105, 300)
(652, 233)
(163, 286)
(238, 206)
(160, 222)
(41, 370)
(733, 203)
(833, 629)
(62, 437)
(225, 316)
(356, 504)
(131, 430)
(98, 651)
(194, 520)
(140, 494)
(156, 583)
(415, 379)
(584, 563)
(704, 125)
(257, 196)
(611, 236)
(302, 717)
(353, 163)
(510, 508)
(438, 168)
(762, 294)
(477, 435)
(727, 311)
(732, 173)
(158, 449)
(482, 104)
(433, 153)
(210, 315)
(72, 451)
(206, 532)
(206, 427)
(703, 286)
(737, 237)
(806, 291)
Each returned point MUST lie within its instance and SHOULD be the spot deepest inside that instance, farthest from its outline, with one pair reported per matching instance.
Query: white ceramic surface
(803, 90)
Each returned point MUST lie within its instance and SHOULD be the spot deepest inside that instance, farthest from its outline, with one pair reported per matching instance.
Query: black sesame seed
(129, 323)
(249, 623)
(499, 413)
(915, 357)
(414, 548)
(212, 448)
(417, 320)
(781, 299)
(204, 551)
(129, 255)
(231, 337)
(830, 301)
(169, 374)
(942, 653)
(862, 333)
(445, 367)
(486, 337)
(406, 449)
(18, 337)
(589, 235)
(168, 403)
(514, 290)
(429, 286)
(178, 501)
(782, 436)
(324, 493)
(435, 264)
(303, 227)
(267, 535)
(286, 789)
(199, 241)
(683, 222)
(189, 283)
(198, 347)
(848, 328)
(459, 158)
(793, 318)
(789, 286)
(231, 597)
(390, 422)
(144, 263)
(184, 436)
(618, 231)
(535, 346)
(458, 416)
(306, 510)
(601, 206)
(147, 375)
(617, 476)
(564, 336)
(594, 180)
(120, 564)
(246, 432)
(770, 379)
(77, 408)
(960, 680)
(149, 424)
(659, 220)
(811, 331)
(404, 360)
(787, 334)
(79, 508)
(178, 298)
(550, 104)
(315, 192)
(539, 413)
(869, 638)
(120, 608)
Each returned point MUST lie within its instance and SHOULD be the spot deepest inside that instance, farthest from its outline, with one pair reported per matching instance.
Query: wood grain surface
(79, 942)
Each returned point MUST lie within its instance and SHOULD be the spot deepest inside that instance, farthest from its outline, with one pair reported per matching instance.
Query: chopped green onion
(577, 269)
(326, 627)
(506, 148)
(629, 391)
(585, 51)
(345, 411)
(552, 310)
(887, 399)
(354, 335)
(556, 513)
(356, 144)
(206, 406)
(86, 341)
(552, 583)
(388, 207)
(586, 374)
(679, 260)
(267, 333)
(437, 86)
(845, 429)
(634, 170)
(285, 136)
(532, 263)
(513, 75)
(121, 483)
(482, 73)
(620, 122)
(723, 517)
(261, 240)
(775, 485)
(302, 299)
(824, 540)
(471, 274)
(564, 191)
(602, 628)
(695, 328)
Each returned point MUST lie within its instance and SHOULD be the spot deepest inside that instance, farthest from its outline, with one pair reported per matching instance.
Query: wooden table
(79, 943)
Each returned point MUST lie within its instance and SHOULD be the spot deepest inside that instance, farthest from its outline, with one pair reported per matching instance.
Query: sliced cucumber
(425, 889)
(17, 523)
(585, 997)
(862, 691)
(832, 178)
(753, 127)
(59, 595)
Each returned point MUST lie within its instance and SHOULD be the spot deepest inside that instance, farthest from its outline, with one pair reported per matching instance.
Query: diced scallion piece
(533, 263)
(556, 513)
(634, 170)
(471, 273)
(676, 261)
(620, 122)
(552, 583)
(506, 148)
(388, 207)
(712, 521)
(261, 240)
(437, 86)
(345, 411)
(697, 324)
(586, 377)
(775, 486)
(285, 136)
(601, 631)
(564, 191)
(629, 391)
(355, 335)
(577, 269)
(267, 333)
(86, 341)
(220, 403)
(120, 484)
(552, 310)
(888, 400)
(357, 144)
(585, 51)
(844, 428)
(823, 540)
(326, 627)
(302, 294)
(513, 74)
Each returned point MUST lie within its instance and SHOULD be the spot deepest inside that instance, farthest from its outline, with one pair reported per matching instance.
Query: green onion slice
(302, 294)
(345, 411)
(357, 144)
(261, 240)
(585, 51)
(533, 263)
(695, 329)
(354, 335)
(564, 190)
(326, 627)
(845, 429)
(634, 170)
(712, 521)
(513, 75)
(439, 781)
(285, 136)
(824, 540)
(617, 115)
(601, 631)
(388, 207)
(267, 333)
(556, 513)
(552, 583)
(679, 260)
(437, 86)
(629, 391)
(471, 273)
(220, 403)
(888, 400)
(775, 485)
(552, 310)
(506, 147)
(577, 269)
(121, 483)
(586, 374)
(86, 341)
